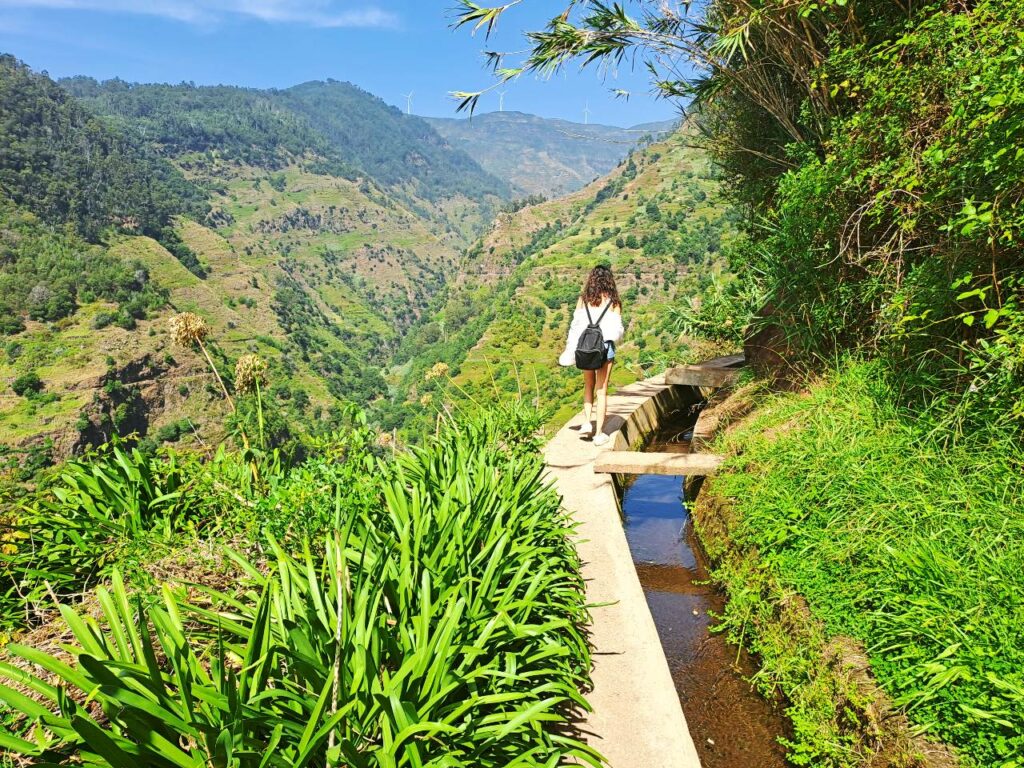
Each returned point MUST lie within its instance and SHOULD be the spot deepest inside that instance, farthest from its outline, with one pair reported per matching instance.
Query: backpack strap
(599, 317)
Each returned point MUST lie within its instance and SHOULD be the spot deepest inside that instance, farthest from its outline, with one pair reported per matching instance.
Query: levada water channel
(732, 725)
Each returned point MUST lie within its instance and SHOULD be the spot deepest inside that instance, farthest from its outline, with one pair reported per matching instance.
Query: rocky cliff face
(101, 382)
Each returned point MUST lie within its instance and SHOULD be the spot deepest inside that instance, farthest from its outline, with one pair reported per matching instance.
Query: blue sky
(388, 47)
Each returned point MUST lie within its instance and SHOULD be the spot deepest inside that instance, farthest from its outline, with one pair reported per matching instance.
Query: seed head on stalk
(250, 373)
(188, 330)
(437, 371)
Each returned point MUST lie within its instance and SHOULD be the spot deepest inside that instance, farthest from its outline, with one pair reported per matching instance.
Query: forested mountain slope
(543, 156)
(657, 220)
(68, 166)
(353, 133)
(242, 211)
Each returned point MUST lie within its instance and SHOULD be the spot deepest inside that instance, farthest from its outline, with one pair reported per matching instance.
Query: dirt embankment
(136, 397)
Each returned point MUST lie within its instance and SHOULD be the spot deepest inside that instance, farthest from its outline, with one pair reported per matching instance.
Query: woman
(601, 300)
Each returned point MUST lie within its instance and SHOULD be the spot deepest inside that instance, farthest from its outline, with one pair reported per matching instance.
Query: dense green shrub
(80, 523)
(351, 132)
(893, 217)
(720, 310)
(27, 385)
(171, 433)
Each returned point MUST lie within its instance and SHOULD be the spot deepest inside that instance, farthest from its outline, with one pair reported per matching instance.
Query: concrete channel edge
(637, 720)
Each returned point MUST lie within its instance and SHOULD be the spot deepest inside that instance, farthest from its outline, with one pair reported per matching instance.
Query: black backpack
(591, 351)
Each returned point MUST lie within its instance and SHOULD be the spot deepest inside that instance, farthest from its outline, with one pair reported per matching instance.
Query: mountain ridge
(544, 156)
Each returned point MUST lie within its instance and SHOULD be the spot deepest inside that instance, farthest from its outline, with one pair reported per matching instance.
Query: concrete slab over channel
(637, 720)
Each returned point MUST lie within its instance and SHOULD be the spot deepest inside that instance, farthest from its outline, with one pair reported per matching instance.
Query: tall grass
(900, 539)
(441, 627)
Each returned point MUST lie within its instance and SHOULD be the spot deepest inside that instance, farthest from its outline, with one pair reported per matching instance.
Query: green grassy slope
(656, 219)
(302, 259)
(905, 547)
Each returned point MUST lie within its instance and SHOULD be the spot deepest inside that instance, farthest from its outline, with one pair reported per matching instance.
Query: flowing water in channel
(731, 725)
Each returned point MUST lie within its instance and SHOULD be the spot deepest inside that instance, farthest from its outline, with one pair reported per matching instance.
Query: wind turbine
(408, 102)
(586, 113)
(501, 100)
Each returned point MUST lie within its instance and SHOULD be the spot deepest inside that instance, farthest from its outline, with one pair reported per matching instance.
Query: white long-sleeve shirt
(610, 325)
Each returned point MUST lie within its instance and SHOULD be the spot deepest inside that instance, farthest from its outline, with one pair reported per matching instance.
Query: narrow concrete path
(637, 720)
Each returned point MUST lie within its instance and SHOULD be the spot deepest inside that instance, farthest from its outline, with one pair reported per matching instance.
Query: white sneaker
(601, 439)
(586, 430)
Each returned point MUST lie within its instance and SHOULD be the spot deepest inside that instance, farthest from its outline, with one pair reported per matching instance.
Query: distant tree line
(70, 167)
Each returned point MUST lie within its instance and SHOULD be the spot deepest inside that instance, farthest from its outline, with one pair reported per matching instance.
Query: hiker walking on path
(596, 328)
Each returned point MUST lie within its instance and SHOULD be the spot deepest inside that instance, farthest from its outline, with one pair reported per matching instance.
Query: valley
(331, 236)
(657, 220)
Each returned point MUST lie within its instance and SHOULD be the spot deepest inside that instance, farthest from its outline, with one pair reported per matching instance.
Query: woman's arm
(614, 330)
(576, 326)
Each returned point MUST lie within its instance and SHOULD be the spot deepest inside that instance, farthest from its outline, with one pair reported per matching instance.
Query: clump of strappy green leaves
(438, 627)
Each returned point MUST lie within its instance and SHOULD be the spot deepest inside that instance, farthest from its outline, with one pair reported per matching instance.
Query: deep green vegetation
(68, 167)
(337, 128)
(240, 124)
(899, 231)
(393, 148)
(46, 273)
(427, 612)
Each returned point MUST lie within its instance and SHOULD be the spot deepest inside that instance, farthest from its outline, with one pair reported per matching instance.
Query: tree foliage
(336, 127)
(45, 273)
(393, 148)
(245, 125)
(68, 166)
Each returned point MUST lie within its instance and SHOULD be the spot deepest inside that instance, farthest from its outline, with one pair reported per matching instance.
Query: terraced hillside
(658, 220)
(272, 231)
(349, 274)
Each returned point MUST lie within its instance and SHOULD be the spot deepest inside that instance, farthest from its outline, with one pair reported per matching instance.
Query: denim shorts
(610, 345)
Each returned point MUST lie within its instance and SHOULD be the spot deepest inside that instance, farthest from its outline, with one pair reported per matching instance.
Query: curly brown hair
(599, 286)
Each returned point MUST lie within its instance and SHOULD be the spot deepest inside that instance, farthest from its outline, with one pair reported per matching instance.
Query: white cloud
(316, 13)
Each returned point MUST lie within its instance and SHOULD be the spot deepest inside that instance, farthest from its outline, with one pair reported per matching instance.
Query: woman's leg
(589, 379)
(601, 391)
